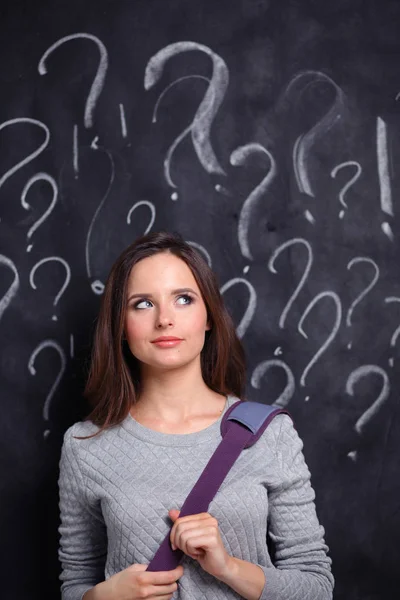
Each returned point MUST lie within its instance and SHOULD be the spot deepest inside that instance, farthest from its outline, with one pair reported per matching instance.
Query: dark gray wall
(287, 177)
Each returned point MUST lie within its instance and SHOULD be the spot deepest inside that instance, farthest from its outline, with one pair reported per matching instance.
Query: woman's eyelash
(187, 296)
(136, 304)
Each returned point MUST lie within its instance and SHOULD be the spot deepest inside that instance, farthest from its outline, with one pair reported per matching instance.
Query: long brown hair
(113, 384)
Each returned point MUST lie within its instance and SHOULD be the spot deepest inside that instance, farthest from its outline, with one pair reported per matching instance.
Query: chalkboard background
(268, 134)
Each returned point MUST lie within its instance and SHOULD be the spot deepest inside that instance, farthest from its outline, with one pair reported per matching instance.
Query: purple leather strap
(236, 436)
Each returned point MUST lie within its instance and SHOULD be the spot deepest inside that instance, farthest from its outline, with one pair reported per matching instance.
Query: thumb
(138, 567)
(174, 513)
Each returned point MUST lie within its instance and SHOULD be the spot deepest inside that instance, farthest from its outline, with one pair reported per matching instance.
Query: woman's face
(164, 300)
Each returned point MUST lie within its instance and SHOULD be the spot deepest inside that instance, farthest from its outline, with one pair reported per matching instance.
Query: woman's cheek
(134, 330)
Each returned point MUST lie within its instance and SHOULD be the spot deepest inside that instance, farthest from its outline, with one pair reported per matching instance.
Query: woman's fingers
(184, 535)
(205, 522)
(160, 590)
(157, 584)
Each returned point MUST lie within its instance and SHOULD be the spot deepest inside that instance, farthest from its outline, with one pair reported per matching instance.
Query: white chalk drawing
(393, 339)
(396, 333)
(338, 305)
(51, 181)
(98, 82)
(124, 130)
(251, 306)
(240, 157)
(181, 136)
(209, 106)
(382, 156)
(222, 190)
(97, 286)
(10, 294)
(387, 230)
(348, 185)
(31, 156)
(203, 251)
(354, 377)
(310, 217)
(67, 276)
(71, 346)
(361, 296)
(75, 151)
(31, 366)
(260, 371)
(152, 209)
(271, 266)
(304, 143)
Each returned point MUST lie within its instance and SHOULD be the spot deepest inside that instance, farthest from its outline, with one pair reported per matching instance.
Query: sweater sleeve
(83, 541)
(302, 568)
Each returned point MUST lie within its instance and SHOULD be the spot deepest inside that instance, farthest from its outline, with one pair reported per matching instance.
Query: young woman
(166, 366)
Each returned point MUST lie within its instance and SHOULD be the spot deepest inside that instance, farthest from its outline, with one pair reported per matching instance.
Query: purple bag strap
(242, 425)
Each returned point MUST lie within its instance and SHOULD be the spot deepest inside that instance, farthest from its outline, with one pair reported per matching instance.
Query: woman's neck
(176, 396)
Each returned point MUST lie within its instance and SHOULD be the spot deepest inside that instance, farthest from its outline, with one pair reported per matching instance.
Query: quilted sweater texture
(116, 490)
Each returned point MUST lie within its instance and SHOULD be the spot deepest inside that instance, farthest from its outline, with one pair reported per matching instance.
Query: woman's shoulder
(86, 434)
(280, 431)
(281, 422)
(81, 429)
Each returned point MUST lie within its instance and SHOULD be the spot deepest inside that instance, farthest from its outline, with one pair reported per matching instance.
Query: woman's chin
(167, 363)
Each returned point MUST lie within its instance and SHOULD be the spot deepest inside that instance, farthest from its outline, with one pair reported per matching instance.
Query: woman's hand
(198, 536)
(135, 583)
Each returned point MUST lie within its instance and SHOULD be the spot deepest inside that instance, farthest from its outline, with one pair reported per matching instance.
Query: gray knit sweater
(116, 490)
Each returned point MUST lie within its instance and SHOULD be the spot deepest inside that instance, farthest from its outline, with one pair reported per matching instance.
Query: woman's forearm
(247, 579)
(90, 594)
(98, 592)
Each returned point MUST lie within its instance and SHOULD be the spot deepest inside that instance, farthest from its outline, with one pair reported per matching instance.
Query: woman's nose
(164, 318)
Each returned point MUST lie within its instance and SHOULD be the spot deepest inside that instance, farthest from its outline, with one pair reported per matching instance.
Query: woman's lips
(167, 343)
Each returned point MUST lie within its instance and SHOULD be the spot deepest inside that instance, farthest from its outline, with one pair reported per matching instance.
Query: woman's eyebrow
(173, 292)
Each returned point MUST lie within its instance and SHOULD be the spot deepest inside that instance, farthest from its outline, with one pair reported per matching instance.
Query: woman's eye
(188, 299)
(142, 304)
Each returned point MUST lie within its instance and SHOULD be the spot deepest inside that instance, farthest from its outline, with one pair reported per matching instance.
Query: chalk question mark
(31, 366)
(14, 287)
(152, 209)
(181, 136)
(343, 191)
(304, 143)
(263, 368)
(361, 296)
(338, 305)
(67, 277)
(354, 377)
(29, 184)
(209, 106)
(271, 266)
(31, 156)
(96, 87)
(239, 157)
(202, 250)
(251, 306)
(396, 333)
(98, 82)
(97, 285)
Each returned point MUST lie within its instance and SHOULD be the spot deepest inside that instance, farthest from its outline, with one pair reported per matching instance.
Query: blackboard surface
(268, 134)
